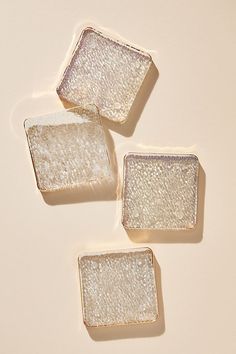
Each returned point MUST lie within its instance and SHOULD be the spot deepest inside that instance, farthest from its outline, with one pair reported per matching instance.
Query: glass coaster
(160, 191)
(118, 287)
(104, 72)
(68, 149)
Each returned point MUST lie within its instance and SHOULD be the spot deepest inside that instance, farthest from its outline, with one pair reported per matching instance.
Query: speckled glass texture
(118, 288)
(68, 149)
(160, 191)
(106, 73)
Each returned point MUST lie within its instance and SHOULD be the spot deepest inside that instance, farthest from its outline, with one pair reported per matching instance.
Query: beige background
(191, 108)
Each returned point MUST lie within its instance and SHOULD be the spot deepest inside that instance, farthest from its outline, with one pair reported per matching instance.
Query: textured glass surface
(160, 191)
(118, 287)
(106, 73)
(67, 149)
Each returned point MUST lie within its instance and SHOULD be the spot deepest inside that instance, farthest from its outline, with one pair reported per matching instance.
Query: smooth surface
(192, 105)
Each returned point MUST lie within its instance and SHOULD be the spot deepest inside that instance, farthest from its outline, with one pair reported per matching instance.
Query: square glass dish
(104, 72)
(68, 149)
(118, 287)
(160, 191)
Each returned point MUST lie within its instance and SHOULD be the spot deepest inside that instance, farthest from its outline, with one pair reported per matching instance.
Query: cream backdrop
(190, 108)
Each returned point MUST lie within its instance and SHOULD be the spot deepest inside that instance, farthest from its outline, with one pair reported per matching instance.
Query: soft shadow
(139, 330)
(194, 235)
(106, 190)
(127, 128)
